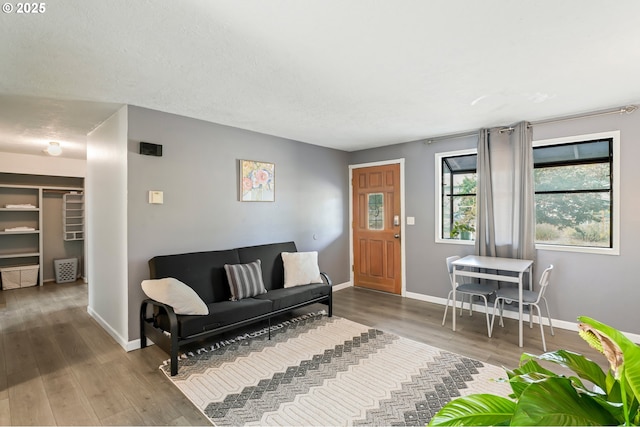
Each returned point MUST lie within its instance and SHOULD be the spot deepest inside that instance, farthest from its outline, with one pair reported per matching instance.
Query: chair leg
(486, 311)
(446, 307)
(544, 344)
(470, 305)
(493, 318)
(531, 316)
(501, 310)
(548, 314)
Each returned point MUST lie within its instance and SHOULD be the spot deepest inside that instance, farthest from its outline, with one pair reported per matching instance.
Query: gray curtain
(485, 229)
(505, 198)
(524, 209)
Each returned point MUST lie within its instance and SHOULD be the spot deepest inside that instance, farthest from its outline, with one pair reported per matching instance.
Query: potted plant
(462, 229)
(542, 397)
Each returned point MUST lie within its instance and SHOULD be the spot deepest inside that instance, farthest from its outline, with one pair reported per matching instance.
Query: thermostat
(156, 197)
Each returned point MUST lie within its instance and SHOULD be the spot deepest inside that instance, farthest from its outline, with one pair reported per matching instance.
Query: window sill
(543, 247)
(457, 242)
(578, 249)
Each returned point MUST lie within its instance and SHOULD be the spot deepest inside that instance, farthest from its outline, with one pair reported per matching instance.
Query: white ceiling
(344, 74)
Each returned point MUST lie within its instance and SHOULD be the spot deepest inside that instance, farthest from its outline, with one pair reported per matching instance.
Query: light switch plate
(411, 220)
(156, 197)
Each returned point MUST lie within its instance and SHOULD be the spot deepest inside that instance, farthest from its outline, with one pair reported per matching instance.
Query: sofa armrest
(326, 277)
(171, 346)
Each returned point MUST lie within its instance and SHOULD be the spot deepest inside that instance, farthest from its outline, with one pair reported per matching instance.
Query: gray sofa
(204, 272)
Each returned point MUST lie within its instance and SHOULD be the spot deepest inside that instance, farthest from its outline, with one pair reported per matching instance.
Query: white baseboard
(562, 324)
(135, 344)
(114, 334)
(341, 286)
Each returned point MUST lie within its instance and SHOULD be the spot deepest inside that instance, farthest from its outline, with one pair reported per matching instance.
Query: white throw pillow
(300, 268)
(173, 292)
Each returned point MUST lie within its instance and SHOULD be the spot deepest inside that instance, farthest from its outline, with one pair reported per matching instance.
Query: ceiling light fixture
(53, 149)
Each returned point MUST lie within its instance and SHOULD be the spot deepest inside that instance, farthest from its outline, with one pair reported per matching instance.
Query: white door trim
(402, 217)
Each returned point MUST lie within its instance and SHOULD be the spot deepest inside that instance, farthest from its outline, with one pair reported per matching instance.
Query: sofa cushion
(287, 297)
(202, 271)
(272, 267)
(300, 268)
(245, 280)
(178, 295)
(220, 314)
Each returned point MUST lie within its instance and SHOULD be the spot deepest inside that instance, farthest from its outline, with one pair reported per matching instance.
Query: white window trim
(615, 217)
(438, 193)
(615, 250)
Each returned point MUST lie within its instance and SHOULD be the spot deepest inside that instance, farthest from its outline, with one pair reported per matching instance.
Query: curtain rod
(628, 109)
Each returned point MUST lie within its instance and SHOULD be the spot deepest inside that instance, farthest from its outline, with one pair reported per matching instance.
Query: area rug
(319, 370)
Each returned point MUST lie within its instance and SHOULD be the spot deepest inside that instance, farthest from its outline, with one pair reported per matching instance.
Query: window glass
(573, 177)
(458, 184)
(573, 194)
(574, 219)
(376, 211)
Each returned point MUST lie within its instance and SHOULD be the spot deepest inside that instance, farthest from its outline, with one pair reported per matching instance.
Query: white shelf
(73, 216)
(21, 232)
(20, 255)
(20, 246)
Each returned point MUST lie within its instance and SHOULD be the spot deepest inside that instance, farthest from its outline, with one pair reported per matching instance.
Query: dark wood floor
(58, 367)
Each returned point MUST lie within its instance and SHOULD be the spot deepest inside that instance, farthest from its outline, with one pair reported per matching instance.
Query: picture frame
(257, 181)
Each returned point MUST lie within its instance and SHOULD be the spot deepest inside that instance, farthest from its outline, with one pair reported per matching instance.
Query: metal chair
(473, 289)
(530, 298)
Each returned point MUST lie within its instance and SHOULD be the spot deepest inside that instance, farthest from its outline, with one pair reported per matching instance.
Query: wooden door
(376, 228)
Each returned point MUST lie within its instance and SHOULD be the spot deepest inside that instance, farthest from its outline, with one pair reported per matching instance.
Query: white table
(471, 265)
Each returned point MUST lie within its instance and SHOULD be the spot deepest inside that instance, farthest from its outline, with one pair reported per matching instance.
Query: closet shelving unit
(73, 216)
(20, 226)
(21, 240)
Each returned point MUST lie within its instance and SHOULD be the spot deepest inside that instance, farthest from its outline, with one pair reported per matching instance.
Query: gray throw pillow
(245, 280)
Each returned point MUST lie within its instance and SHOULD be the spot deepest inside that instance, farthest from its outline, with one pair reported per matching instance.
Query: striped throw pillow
(245, 280)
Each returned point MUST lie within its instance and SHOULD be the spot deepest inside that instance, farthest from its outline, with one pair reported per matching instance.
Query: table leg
(453, 312)
(520, 284)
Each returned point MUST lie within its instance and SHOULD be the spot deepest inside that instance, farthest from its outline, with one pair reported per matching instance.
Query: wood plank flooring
(59, 367)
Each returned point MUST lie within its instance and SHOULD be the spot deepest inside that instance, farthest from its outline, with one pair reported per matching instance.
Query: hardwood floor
(59, 367)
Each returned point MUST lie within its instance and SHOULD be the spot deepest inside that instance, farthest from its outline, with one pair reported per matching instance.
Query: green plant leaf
(529, 371)
(475, 409)
(554, 401)
(630, 351)
(528, 364)
(585, 368)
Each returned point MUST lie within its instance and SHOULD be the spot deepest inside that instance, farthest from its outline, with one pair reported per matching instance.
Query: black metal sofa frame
(204, 273)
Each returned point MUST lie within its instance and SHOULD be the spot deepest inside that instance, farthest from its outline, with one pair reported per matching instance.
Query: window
(457, 213)
(576, 193)
(576, 181)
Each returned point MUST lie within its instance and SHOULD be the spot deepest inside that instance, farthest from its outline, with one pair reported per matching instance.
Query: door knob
(397, 236)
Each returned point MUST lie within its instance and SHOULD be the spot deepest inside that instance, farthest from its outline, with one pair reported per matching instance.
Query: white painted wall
(42, 165)
(106, 205)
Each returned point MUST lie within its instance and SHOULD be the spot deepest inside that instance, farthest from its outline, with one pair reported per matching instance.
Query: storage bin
(66, 270)
(19, 277)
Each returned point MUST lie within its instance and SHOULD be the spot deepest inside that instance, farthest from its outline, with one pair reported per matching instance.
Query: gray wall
(599, 286)
(198, 174)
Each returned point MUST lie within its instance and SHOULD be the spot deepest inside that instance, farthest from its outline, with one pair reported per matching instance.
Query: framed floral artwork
(257, 181)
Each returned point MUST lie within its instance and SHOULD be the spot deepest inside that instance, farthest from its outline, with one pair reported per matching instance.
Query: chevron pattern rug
(317, 370)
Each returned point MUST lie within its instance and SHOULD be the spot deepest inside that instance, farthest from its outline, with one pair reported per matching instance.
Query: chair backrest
(450, 261)
(544, 281)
